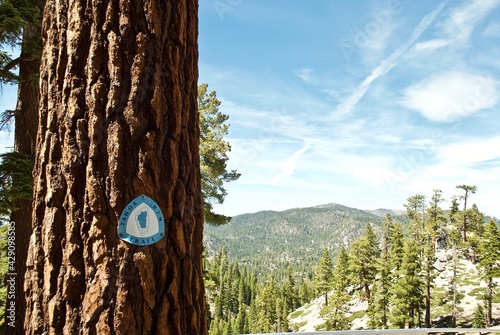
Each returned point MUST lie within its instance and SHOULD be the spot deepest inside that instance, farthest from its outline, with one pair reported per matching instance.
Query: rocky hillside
(308, 316)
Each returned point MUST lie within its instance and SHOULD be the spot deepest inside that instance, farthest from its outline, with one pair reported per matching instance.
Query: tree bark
(26, 117)
(118, 118)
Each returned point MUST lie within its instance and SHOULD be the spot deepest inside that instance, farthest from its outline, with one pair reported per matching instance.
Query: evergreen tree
(306, 292)
(213, 154)
(396, 246)
(415, 211)
(253, 317)
(468, 189)
(479, 317)
(16, 167)
(335, 314)
(20, 24)
(241, 324)
(324, 274)
(364, 252)
(378, 312)
(475, 219)
(408, 290)
(289, 292)
(490, 264)
(435, 217)
(267, 317)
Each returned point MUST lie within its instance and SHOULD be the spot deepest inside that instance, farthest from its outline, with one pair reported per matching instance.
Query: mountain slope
(307, 317)
(297, 236)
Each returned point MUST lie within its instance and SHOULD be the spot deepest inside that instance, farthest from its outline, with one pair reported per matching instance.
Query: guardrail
(419, 331)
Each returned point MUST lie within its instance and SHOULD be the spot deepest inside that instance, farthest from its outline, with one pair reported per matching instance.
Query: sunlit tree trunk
(118, 118)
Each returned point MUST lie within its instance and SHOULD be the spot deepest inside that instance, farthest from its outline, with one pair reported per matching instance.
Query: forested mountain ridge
(269, 239)
(430, 267)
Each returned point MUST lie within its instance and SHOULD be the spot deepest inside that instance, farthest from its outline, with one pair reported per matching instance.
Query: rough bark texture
(118, 118)
(26, 116)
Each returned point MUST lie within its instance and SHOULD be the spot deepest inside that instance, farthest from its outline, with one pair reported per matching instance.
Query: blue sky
(362, 103)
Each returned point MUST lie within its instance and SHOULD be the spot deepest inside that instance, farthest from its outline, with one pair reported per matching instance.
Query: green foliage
(489, 264)
(213, 154)
(335, 314)
(479, 318)
(4, 269)
(16, 16)
(269, 241)
(407, 304)
(323, 276)
(15, 180)
(399, 264)
(363, 261)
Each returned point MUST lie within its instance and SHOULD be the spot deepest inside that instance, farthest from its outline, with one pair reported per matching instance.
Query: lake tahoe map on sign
(141, 222)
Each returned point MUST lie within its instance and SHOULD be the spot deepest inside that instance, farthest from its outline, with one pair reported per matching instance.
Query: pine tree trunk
(118, 118)
(26, 117)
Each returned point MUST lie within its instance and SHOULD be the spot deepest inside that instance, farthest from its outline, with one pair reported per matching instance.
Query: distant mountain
(383, 211)
(269, 239)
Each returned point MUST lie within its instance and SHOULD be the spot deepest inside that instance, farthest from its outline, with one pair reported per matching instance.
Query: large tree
(20, 22)
(324, 274)
(363, 256)
(118, 118)
(468, 189)
(490, 265)
(213, 154)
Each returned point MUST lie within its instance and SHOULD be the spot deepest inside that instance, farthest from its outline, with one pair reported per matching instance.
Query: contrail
(344, 108)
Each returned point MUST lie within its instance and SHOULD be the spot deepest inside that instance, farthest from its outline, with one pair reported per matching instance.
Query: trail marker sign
(141, 222)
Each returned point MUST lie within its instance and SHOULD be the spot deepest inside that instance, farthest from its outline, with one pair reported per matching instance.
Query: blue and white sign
(141, 222)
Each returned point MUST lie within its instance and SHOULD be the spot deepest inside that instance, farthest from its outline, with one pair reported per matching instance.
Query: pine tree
(305, 291)
(323, 276)
(289, 292)
(118, 118)
(475, 219)
(479, 317)
(415, 208)
(396, 246)
(20, 24)
(435, 217)
(335, 314)
(378, 312)
(489, 264)
(267, 317)
(468, 189)
(455, 241)
(364, 252)
(407, 291)
(213, 154)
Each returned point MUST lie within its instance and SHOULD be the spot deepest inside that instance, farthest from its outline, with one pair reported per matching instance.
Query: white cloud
(470, 152)
(452, 95)
(464, 20)
(346, 106)
(288, 166)
(431, 44)
(306, 75)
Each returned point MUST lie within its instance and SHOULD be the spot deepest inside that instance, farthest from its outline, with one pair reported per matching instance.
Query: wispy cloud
(492, 30)
(449, 96)
(431, 45)
(287, 168)
(346, 106)
(306, 75)
(464, 19)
